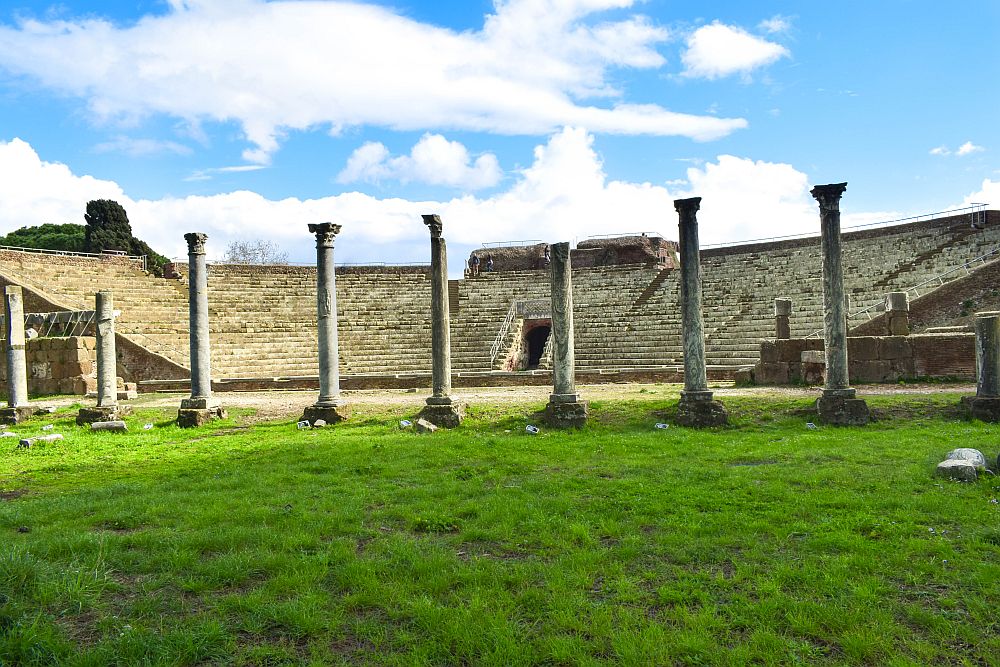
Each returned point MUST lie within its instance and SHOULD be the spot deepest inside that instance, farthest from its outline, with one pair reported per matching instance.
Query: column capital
(196, 242)
(687, 206)
(829, 195)
(325, 233)
(434, 223)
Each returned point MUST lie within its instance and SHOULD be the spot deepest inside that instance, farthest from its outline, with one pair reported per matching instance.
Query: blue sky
(520, 119)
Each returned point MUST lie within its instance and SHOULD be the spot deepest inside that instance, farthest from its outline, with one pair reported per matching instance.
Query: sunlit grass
(764, 542)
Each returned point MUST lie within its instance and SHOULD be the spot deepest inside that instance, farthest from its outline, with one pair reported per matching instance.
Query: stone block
(101, 414)
(983, 409)
(192, 417)
(66, 385)
(773, 373)
(39, 369)
(963, 471)
(896, 347)
(813, 357)
(812, 373)
(701, 413)
(871, 371)
(863, 348)
(331, 414)
(768, 351)
(791, 349)
(17, 415)
(842, 411)
(424, 426)
(973, 456)
(743, 376)
(566, 414)
(84, 385)
(115, 426)
(898, 324)
(444, 416)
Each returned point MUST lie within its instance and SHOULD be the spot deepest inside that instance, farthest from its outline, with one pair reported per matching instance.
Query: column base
(192, 417)
(102, 414)
(441, 414)
(839, 407)
(331, 414)
(985, 409)
(17, 415)
(699, 409)
(193, 403)
(562, 413)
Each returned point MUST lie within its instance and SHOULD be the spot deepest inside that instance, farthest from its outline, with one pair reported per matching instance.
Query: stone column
(107, 365)
(201, 406)
(838, 405)
(697, 407)
(565, 409)
(17, 408)
(897, 313)
(329, 407)
(985, 405)
(782, 313)
(441, 409)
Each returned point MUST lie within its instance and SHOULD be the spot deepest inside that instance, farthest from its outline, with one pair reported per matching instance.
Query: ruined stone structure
(627, 316)
(564, 409)
(107, 408)
(985, 404)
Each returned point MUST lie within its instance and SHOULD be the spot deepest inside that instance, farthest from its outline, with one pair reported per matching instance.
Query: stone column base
(192, 417)
(443, 415)
(331, 414)
(699, 409)
(566, 414)
(102, 414)
(983, 408)
(839, 408)
(17, 415)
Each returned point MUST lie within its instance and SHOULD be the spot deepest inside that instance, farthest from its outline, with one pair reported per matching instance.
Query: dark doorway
(535, 340)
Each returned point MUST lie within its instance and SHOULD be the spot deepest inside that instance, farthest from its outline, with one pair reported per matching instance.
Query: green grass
(761, 543)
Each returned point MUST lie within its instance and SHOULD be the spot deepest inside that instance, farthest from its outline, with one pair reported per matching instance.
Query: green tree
(107, 227)
(68, 237)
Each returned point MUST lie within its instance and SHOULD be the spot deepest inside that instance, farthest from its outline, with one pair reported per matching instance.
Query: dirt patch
(12, 495)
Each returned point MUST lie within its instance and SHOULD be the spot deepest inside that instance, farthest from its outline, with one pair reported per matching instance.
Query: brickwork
(60, 365)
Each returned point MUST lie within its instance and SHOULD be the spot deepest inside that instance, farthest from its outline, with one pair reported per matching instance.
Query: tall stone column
(107, 365)
(441, 409)
(782, 314)
(201, 406)
(329, 407)
(838, 405)
(697, 406)
(985, 405)
(17, 408)
(565, 409)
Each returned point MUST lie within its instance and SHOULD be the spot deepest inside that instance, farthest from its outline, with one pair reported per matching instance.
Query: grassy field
(765, 542)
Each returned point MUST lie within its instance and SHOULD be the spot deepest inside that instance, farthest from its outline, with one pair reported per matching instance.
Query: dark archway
(535, 342)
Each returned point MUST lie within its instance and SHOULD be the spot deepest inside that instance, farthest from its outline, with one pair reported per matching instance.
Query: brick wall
(875, 358)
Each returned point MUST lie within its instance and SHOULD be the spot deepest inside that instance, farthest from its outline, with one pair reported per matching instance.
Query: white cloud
(775, 24)
(719, 50)
(279, 66)
(433, 160)
(988, 194)
(207, 174)
(140, 147)
(967, 148)
(563, 195)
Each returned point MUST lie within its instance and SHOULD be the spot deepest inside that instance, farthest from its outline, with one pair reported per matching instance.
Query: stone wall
(874, 358)
(589, 253)
(59, 365)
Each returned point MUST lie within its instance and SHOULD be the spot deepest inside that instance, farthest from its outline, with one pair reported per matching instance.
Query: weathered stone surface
(17, 366)
(101, 414)
(448, 415)
(960, 470)
(835, 307)
(771, 373)
(17, 415)
(768, 351)
(973, 456)
(693, 328)
(896, 347)
(813, 357)
(743, 376)
(115, 425)
(331, 414)
(701, 413)
(983, 409)
(192, 417)
(812, 373)
(28, 443)
(843, 411)
(424, 426)
(566, 414)
(319, 423)
(863, 348)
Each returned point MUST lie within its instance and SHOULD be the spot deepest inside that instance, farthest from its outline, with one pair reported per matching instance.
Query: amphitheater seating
(263, 318)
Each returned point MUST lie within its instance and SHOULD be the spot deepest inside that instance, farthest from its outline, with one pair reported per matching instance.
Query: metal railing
(937, 280)
(504, 328)
(623, 234)
(976, 215)
(72, 253)
(508, 244)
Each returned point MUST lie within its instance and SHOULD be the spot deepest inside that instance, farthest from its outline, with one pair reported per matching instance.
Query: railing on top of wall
(937, 281)
(72, 253)
(504, 328)
(976, 212)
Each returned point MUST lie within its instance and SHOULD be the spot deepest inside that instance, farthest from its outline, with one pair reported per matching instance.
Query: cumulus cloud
(988, 193)
(433, 160)
(968, 148)
(717, 50)
(298, 65)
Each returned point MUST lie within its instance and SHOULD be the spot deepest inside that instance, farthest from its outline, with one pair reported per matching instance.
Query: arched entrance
(535, 341)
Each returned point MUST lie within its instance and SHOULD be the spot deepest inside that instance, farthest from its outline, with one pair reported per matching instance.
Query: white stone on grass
(957, 469)
(973, 456)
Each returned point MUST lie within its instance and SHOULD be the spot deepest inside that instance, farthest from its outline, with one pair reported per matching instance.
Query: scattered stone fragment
(28, 443)
(662, 425)
(49, 409)
(405, 423)
(810, 425)
(302, 424)
(48, 427)
(957, 469)
(424, 426)
(8, 434)
(116, 425)
(319, 423)
(147, 427)
(531, 429)
(23, 529)
(973, 456)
